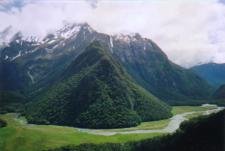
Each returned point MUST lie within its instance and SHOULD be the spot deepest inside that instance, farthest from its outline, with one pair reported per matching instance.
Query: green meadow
(19, 136)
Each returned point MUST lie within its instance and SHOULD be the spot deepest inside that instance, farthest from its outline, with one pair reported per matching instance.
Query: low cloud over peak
(189, 31)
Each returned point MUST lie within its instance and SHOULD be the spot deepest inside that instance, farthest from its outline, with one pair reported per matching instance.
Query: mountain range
(220, 92)
(80, 77)
(213, 73)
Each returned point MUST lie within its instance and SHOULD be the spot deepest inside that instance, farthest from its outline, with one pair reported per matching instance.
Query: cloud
(93, 3)
(189, 31)
(10, 5)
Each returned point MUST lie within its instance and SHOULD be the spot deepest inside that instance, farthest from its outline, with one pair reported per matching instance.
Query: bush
(2, 123)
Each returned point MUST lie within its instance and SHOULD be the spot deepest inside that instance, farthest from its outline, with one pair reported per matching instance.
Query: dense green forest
(96, 92)
(11, 101)
(219, 95)
(199, 134)
(2, 123)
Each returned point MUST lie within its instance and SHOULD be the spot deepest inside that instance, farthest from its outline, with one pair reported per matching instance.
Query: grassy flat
(145, 126)
(163, 123)
(19, 136)
(184, 109)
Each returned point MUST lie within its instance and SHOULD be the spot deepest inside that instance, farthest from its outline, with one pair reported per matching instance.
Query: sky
(190, 32)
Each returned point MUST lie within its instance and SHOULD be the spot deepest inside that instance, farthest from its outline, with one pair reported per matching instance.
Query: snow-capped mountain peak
(20, 38)
(68, 30)
(71, 30)
(127, 37)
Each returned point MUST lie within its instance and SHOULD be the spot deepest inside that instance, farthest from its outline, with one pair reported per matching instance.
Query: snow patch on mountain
(144, 47)
(18, 55)
(31, 39)
(30, 76)
(111, 42)
(122, 37)
(51, 41)
(69, 30)
(6, 57)
(127, 38)
(31, 51)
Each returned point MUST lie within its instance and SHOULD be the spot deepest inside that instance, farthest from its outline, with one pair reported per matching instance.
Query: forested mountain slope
(95, 91)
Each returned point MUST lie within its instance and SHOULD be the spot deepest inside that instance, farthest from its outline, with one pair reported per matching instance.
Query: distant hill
(219, 95)
(96, 92)
(212, 72)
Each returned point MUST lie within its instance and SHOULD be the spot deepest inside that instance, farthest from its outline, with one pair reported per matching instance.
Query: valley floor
(20, 136)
